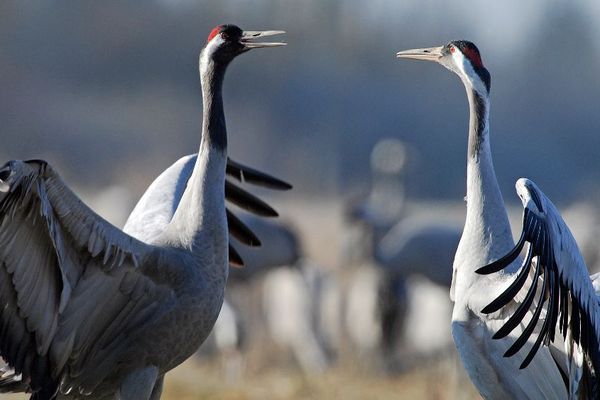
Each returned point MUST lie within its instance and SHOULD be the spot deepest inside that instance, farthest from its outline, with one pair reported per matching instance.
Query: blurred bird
(280, 251)
(291, 305)
(417, 246)
(90, 311)
(480, 329)
(402, 247)
(281, 247)
(293, 290)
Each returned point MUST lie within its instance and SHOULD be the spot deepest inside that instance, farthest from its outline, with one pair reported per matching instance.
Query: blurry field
(193, 381)
(439, 381)
(269, 373)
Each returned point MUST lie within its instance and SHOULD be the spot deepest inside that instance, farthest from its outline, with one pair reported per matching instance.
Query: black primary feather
(248, 201)
(253, 176)
(536, 234)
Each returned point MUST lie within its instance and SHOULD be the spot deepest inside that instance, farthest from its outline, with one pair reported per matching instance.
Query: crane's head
(225, 42)
(459, 56)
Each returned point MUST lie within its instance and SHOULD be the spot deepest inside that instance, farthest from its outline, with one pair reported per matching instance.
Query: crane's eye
(452, 49)
(224, 35)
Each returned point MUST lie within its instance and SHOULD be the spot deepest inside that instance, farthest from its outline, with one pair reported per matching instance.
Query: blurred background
(108, 92)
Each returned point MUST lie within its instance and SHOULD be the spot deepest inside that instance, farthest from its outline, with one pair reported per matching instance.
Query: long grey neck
(487, 233)
(486, 212)
(199, 223)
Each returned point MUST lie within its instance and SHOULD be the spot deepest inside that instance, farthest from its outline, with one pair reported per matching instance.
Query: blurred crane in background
(375, 304)
(494, 362)
(289, 311)
(92, 311)
(403, 247)
(294, 301)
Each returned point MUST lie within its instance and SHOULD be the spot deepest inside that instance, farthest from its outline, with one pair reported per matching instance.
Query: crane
(156, 207)
(91, 311)
(416, 246)
(402, 244)
(490, 335)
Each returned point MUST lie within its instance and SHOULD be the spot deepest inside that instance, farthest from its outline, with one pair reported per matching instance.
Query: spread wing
(51, 246)
(157, 205)
(561, 288)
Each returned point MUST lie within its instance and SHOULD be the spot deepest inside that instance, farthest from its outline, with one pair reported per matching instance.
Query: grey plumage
(281, 247)
(415, 246)
(91, 311)
(156, 207)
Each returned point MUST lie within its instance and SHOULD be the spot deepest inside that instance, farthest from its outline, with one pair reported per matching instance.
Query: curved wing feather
(48, 237)
(567, 294)
(244, 174)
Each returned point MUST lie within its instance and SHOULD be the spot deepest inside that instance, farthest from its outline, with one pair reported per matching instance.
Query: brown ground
(438, 382)
(192, 381)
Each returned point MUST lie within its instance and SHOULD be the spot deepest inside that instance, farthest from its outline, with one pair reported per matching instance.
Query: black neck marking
(214, 128)
(485, 77)
(479, 110)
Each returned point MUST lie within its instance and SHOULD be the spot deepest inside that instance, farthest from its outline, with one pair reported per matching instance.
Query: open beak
(248, 38)
(428, 54)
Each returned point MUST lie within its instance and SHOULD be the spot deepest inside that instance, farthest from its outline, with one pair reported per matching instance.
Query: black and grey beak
(427, 54)
(248, 38)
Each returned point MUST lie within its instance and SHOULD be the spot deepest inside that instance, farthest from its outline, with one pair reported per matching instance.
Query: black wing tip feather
(505, 297)
(241, 231)
(248, 201)
(234, 257)
(253, 176)
(558, 296)
(491, 308)
(541, 249)
(504, 261)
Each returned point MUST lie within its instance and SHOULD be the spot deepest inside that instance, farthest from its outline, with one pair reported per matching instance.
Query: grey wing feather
(156, 207)
(118, 317)
(47, 237)
(158, 204)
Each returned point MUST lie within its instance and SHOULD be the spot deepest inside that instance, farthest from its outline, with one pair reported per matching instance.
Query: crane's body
(481, 333)
(155, 209)
(92, 312)
(417, 246)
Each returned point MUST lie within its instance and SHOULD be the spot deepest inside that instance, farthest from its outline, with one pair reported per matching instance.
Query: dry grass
(195, 381)
(192, 381)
